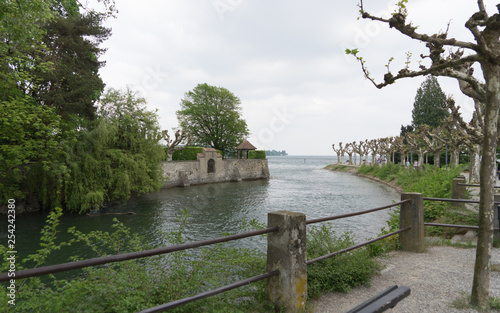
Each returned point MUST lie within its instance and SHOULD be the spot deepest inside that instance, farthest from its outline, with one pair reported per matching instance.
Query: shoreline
(353, 169)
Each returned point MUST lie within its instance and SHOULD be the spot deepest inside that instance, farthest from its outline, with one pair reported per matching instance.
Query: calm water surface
(298, 183)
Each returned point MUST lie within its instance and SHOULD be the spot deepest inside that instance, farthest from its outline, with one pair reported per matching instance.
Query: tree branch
(398, 21)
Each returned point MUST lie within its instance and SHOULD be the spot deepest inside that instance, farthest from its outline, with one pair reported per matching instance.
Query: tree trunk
(454, 157)
(481, 281)
(437, 159)
(420, 158)
(474, 164)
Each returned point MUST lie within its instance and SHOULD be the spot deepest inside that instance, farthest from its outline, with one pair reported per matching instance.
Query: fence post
(458, 192)
(412, 215)
(286, 252)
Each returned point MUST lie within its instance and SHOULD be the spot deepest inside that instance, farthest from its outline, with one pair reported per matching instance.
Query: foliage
(256, 154)
(430, 106)
(48, 68)
(32, 147)
(213, 116)
(118, 156)
(383, 246)
(72, 85)
(135, 285)
(21, 33)
(341, 272)
(188, 154)
(432, 182)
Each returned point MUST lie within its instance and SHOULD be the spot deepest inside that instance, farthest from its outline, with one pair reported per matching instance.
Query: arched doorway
(211, 166)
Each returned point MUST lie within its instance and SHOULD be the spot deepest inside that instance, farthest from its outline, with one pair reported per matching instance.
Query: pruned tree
(390, 149)
(432, 139)
(375, 147)
(338, 151)
(350, 151)
(401, 147)
(483, 50)
(418, 145)
(472, 134)
(356, 147)
(174, 144)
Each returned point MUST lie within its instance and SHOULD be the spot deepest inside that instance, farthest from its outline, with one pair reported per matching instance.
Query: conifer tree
(430, 106)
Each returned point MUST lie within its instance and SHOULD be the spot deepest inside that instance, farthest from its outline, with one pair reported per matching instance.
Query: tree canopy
(119, 156)
(56, 148)
(430, 106)
(212, 115)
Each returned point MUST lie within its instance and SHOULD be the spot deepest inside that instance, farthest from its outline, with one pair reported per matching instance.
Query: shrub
(135, 285)
(187, 154)
(257, 154)
(341, 272)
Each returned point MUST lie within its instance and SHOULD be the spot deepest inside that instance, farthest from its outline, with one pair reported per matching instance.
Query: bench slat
(383, 301)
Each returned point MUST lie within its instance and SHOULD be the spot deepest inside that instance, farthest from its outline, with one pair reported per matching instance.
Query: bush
(135, 285)
(341, 272)
(257, 154)
(187, 154)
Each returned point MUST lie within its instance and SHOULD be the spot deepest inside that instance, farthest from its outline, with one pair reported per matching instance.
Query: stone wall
(211, 168)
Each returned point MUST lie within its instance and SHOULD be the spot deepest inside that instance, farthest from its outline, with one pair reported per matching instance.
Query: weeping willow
(119, 156)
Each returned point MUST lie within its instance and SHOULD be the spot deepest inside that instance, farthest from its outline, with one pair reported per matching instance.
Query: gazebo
(243, 148)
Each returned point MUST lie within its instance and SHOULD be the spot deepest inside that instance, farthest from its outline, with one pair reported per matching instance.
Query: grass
(463, 303)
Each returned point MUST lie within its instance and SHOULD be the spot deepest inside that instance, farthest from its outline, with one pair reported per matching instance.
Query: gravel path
(436, 278)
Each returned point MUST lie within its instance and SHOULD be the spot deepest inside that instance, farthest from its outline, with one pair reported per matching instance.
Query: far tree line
(437, 127)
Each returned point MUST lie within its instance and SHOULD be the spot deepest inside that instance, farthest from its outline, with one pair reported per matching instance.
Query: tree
(119, 156)
(39, 55)
(72, 85)
(485, 51)
(430, 106)
(173, 144)
(212, 115)
(406, 129)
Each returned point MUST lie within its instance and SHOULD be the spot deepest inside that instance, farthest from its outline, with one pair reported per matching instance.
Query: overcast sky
(285, 60)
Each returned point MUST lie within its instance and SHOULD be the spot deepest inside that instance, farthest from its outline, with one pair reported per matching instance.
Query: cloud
(285, 60)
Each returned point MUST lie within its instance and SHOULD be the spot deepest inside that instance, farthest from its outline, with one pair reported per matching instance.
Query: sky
(285, 61)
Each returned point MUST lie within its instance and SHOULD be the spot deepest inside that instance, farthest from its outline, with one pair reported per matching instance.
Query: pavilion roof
(246, 145)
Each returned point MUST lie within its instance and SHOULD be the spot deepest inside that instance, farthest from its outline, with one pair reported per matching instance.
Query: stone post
(286, 252)
(458, 192)
(412, 215)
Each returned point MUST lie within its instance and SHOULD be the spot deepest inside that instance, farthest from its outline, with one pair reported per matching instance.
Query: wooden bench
(387, 299)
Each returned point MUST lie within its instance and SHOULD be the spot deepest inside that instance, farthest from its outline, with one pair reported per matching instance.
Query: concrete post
(412, 215)
(286, 252)
(458, 192)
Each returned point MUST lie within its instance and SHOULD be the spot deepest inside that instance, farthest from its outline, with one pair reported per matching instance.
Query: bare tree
(338, 151)
(173, 144)
(349, 150)
(484, 50)
(472, 134)
(418, 145)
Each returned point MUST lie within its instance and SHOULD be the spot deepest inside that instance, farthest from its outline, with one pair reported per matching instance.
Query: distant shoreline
(352, 169)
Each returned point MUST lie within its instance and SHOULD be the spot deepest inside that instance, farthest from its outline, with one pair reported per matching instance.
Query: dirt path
(436, 278)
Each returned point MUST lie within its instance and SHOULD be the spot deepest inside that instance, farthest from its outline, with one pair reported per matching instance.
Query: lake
(297, 183)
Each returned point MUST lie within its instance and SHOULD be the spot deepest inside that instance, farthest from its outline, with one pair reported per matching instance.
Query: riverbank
(440, 278)
(353, 169)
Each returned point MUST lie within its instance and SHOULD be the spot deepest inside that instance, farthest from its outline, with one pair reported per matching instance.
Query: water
(298, 183)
